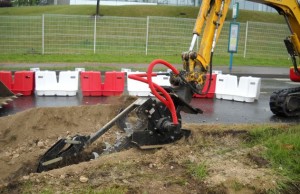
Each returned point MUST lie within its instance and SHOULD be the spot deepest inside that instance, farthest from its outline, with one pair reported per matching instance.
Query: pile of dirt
(228, 166)
(25, 136)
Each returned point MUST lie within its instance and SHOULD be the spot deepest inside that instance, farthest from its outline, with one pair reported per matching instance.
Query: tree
(26, 2)
(5, 3)
(97, 8)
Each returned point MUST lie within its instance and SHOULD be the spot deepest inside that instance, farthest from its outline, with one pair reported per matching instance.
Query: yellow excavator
(157, 120)
(211, 17)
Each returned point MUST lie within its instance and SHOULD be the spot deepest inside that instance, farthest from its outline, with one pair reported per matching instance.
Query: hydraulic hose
(165, 98)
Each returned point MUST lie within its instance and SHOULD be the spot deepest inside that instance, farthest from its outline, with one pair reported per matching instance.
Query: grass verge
(283, 152)
(198, 171)
(136, 11)
(108, 62)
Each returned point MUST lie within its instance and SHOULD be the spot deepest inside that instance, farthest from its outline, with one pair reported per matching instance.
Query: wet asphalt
(215, 110)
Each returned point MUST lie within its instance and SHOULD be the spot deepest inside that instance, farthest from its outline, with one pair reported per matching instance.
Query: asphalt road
(224, 111)
(215, 110)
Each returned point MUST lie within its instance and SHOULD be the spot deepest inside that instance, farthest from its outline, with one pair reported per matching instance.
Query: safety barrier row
(90, 81)
(218, 85)
(47, 83)
(136, 88)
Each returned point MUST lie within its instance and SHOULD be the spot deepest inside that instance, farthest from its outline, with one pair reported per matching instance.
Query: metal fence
(65, 34)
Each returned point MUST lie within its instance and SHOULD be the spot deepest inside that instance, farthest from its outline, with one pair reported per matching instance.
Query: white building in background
(113, 2)
(248, 5)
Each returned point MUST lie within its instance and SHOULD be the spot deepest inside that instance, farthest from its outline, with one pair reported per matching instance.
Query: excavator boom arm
(212, 15)
(210, 21)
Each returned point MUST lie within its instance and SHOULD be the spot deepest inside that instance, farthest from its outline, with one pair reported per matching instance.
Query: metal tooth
(14, 97)
(4, 103)
(69, 141)
(9, 100)
(52, 161)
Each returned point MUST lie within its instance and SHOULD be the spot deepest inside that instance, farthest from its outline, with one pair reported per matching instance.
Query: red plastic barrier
(23, 82)
(91, 84)
(114, 83)
(212, 88)
(293, 76)
(6, 79)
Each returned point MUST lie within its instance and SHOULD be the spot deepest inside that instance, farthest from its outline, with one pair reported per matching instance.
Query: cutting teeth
(69, 141)
(52, 161)
(9, 100)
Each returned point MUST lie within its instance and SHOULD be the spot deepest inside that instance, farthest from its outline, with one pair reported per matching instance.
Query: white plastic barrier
(247, 90)
(35, 69)
(46, 83)
(217, 72)
(137, 88)
(162, 80)
(80, 69)
(68, 83)
(125, 70)
(226, 86)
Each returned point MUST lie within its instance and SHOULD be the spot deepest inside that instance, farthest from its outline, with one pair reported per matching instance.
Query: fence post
(43, 34)
(246, 39)
(147, 35)
(95, 33)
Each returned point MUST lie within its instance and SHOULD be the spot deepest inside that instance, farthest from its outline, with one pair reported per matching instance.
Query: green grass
(283, 150)
(112, 62)
(136, 11)
(23, 36)
(237, 186)
(112, 190)
(198, 171)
